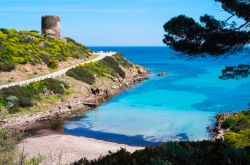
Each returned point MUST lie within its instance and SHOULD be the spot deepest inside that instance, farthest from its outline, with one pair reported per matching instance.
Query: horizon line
(127, 46)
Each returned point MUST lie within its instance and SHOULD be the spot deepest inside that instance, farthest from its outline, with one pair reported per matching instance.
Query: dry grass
(28, 71)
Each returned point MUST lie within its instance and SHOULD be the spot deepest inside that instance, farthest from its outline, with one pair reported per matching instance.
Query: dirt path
(57, 73)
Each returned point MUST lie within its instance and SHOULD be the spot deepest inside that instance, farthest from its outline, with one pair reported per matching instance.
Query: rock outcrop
(217, 131)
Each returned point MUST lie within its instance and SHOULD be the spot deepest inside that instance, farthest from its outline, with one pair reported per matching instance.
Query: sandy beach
(57, 148)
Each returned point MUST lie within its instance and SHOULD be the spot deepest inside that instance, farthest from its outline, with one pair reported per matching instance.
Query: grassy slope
(18, 99)
(109, 66)
(21, 47)
(15, 98)
(239, 125)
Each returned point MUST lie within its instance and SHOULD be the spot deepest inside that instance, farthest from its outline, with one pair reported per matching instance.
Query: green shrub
(12, 104)
(3, 36)
(20, 47)
(36, 160)
(7, 66)
(82, 74)
(58, 87)
(122, 61)
(176, 153)
(24, 96)
(107, 66)
(2, 103)
(9, 154)
(34, 31)
(228, 123)
(239, 140)
(68, 39)
(239, 134)
(112, 66)
(238, 121)
(243, 123)
(19, 60)
(95, 69)
(52, 64)
(7, 147)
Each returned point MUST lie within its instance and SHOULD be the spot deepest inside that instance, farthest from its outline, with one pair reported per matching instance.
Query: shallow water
(175, 107)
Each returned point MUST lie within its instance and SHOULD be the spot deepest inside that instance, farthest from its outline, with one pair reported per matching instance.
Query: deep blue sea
(176, 107)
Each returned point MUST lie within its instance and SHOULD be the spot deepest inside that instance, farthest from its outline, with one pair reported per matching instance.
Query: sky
(106, 22)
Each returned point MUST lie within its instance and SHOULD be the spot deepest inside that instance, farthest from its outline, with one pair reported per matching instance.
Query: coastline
(58, 148)
(55, 147)
(217, 131)
(37, 120)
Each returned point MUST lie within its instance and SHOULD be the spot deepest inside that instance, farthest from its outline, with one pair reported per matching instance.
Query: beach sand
(57, 148)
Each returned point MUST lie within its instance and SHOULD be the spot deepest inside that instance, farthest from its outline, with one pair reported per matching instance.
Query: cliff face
(78, 95)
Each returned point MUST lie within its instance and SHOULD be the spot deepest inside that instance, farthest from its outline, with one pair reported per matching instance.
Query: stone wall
(51, 26)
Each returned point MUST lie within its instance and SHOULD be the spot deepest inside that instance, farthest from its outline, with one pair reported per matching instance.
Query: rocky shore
(58, 148)
(86, 99)
(217, 131)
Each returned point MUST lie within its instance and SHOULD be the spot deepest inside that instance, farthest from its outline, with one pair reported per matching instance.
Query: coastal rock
(218, 132)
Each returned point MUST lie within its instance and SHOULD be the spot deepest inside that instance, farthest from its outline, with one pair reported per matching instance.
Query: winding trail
(101, 55)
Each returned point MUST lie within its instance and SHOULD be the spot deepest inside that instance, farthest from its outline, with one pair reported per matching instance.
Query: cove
(176, 107)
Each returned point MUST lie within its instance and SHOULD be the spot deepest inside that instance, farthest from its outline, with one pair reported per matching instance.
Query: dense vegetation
(7, 147)
(16, 97)
(20, 47)
(9, 154)
(176, 153)
(109, 66)
(82, 74)
(239, 125)
(241, 8)
(210, 36)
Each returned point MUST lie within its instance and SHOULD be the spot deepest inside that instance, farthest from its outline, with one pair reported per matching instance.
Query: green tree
(210, 36)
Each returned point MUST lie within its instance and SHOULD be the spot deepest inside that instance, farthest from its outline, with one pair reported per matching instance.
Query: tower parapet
(51, 26)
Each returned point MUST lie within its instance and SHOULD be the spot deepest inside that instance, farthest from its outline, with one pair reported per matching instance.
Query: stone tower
(51, 26)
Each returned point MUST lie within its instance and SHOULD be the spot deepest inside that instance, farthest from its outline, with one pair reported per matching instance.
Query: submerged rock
(161, 74)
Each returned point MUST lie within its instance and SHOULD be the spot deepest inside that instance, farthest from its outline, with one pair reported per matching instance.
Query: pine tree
(210, 35)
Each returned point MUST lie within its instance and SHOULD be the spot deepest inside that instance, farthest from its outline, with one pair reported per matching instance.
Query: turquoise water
(176, 107)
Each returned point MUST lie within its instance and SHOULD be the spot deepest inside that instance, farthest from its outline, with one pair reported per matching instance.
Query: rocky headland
(82, 92)
(84, 98)
(218, 131)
